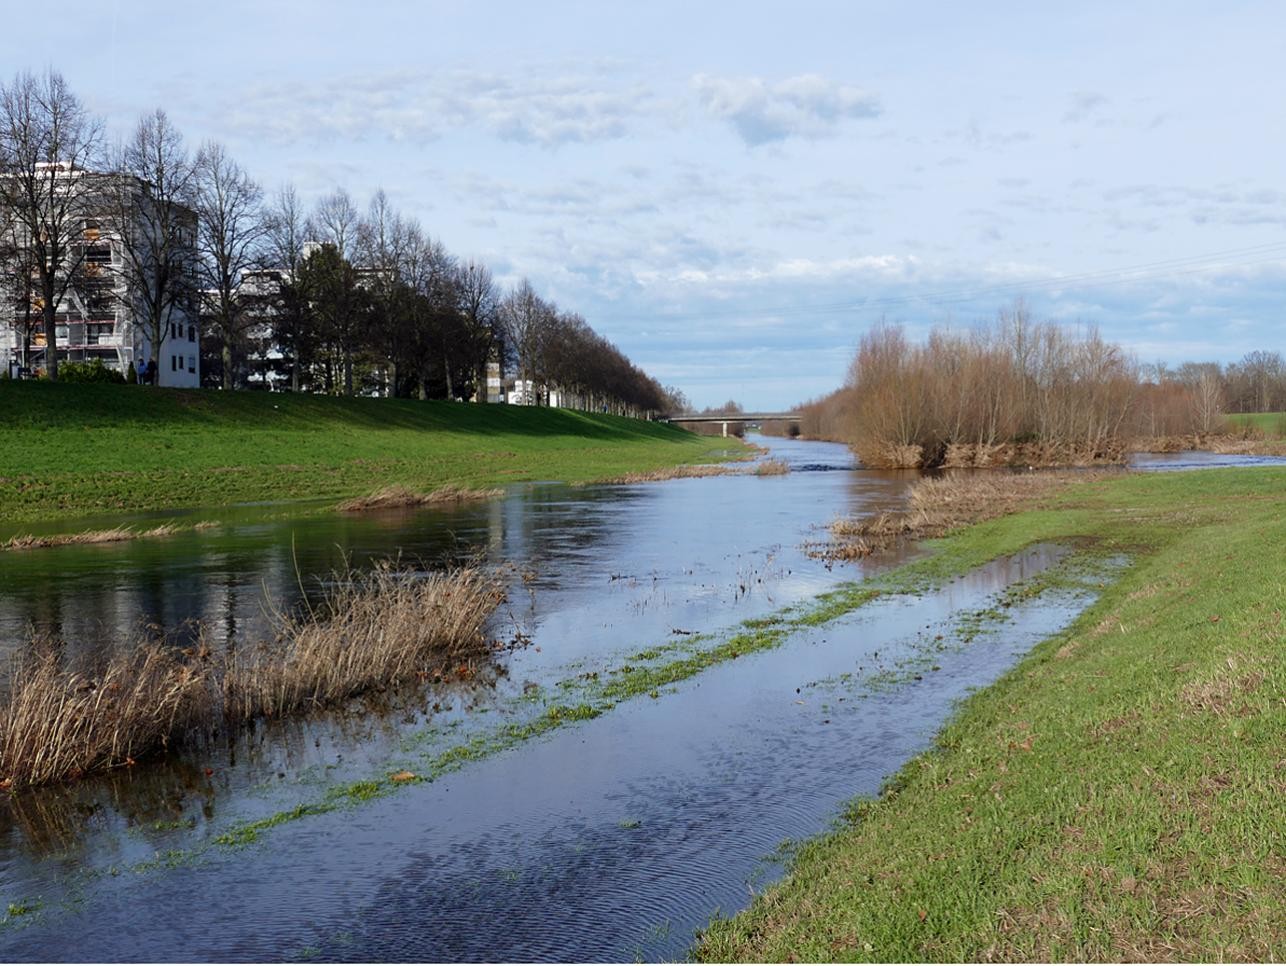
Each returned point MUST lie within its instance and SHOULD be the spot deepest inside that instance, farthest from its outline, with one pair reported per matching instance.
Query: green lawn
(69, 450)
(1271, 424)
(1120, 795)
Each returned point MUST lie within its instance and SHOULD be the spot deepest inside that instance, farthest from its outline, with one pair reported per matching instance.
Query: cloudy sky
(734, 192)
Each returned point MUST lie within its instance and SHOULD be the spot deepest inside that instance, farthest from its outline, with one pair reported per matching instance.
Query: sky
(734, 192)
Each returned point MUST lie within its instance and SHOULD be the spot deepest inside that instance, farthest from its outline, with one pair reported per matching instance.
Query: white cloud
(762, 112)
(538, 105)
(1084, 104)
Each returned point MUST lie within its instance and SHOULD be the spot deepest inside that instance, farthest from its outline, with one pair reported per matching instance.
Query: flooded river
(605, 839)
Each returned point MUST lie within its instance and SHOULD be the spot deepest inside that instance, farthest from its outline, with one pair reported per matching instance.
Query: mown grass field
(1270, 424)
(1120, 795)
(70, 450)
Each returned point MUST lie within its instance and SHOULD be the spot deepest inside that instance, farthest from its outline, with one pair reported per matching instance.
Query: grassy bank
(71, 450)
(1272, 425)
(1116, 796)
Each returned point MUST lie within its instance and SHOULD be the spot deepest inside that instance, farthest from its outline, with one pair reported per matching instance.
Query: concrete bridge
(725, 418)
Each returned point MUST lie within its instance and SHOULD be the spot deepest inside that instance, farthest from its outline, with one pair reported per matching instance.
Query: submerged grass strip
(1116, 796)
(31, 541)
(393, 497)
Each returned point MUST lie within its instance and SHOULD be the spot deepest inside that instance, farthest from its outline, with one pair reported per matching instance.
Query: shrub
(88, 372)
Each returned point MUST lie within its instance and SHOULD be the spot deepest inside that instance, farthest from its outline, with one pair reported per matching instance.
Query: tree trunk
(227, 361)
(51, 334)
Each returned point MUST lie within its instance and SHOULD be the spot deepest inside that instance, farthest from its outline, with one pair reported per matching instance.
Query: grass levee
(73, 450)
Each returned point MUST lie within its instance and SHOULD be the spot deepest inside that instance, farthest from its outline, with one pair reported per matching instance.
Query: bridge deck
(731, 417)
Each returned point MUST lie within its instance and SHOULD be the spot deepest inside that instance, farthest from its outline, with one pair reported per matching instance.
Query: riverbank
(77, 450)
(1116, 796)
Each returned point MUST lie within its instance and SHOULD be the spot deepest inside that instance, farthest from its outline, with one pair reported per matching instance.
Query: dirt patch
(1223, 694)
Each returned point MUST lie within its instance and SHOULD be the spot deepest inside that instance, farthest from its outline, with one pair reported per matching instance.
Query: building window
(191, 333)
(174, 363)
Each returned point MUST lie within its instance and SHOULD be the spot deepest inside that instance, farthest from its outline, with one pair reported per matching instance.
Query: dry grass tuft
(373, 629)
(939, 505)
(1248, 441)
(60, 722)
(400, 496)
(772, 468)
(669, 473)
(61, 718)
(28, 541)
(1223, 693)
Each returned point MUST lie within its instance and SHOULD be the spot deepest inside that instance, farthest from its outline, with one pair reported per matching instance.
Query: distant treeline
(1021, 391)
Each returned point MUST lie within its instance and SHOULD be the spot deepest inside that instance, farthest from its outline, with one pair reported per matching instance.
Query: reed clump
(28, 541)
(63, 716)
(669, 473)
(938, 505)
(772, 468)
(59, 721)
(391, 497)
(372, 629)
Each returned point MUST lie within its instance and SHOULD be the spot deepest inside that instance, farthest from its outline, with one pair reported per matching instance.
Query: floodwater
(606, 839)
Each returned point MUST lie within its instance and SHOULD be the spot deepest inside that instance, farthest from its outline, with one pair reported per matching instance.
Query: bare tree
(479, 308)
(155, 191)
(338, 223)
(286, 229)
(288, 232)
(383, 239)
(231, 230)
(525, 316)
(1207, 400)
(49, 146)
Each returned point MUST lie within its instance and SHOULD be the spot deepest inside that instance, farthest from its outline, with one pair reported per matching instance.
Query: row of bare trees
(343, 301)
(1017, 390)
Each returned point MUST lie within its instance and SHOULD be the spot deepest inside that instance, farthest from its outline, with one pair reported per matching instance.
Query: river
(606, 839)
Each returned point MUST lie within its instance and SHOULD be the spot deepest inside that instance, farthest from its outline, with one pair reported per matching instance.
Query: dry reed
(938, 505)
(400, 496)
(61, 718)
(29, 541)
(668, 473)
(373, 629)
(60, 722)
(772, 468)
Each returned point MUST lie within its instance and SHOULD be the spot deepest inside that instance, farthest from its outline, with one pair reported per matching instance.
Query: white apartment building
(97, 318)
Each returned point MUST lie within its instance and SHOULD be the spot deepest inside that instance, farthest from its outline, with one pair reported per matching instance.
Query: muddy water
(607, 839)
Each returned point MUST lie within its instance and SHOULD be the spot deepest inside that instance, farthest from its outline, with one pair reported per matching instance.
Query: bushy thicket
(1019, 391)
(1013, 391)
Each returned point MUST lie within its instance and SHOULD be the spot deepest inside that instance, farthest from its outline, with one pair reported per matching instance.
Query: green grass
(1117, 796)
(1270, 424)
(71, 450)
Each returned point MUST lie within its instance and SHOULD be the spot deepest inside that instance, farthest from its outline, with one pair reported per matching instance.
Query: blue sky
(734, 192)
